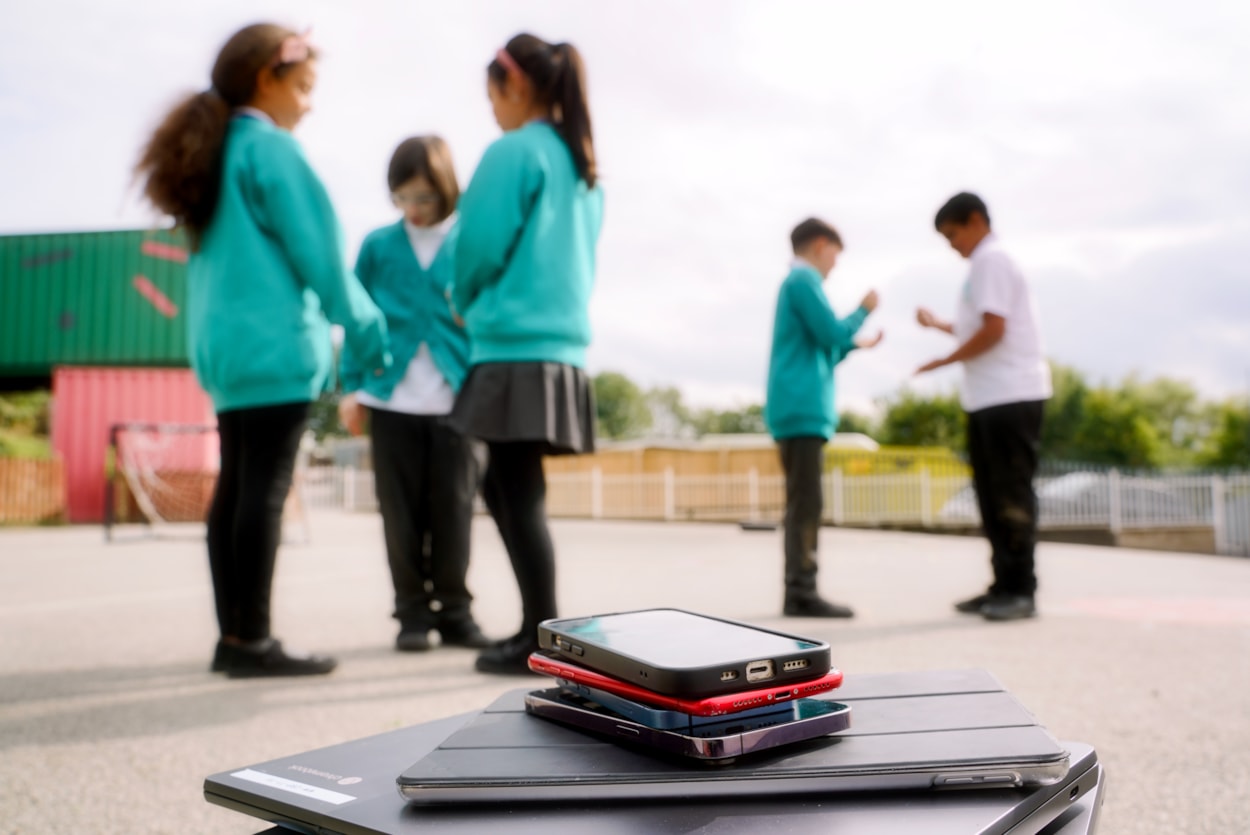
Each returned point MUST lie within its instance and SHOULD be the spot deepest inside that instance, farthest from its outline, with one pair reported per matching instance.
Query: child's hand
(926, 318)
(870, 301)
(869, 341)
(451, 305)
(352, 415)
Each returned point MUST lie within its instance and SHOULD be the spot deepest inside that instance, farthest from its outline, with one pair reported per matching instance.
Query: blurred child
(525, 266)
(266, 270)
(1005, 388)
(809, 341)
(424, 470)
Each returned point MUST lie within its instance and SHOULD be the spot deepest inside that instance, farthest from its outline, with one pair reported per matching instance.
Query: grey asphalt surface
(110, 720)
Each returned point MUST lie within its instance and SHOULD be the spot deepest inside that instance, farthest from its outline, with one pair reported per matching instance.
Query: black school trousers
(1003, 446)
(803, 461)
(258, 450)
(425, 475)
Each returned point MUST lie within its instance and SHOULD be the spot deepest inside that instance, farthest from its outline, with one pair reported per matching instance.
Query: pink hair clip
(294, 49)
(509, 63)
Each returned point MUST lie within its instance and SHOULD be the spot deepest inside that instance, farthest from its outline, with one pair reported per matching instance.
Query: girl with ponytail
(266, 277)
(525, 266)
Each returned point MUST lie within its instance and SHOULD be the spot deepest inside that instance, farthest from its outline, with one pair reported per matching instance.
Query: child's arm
(493, 213)
(991, 332)
(927, 319)
(866, 342)
(819, 320)
(351, 372)
(292, 204)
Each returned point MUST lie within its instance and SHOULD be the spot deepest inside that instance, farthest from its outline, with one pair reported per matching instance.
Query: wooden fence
(31, 491)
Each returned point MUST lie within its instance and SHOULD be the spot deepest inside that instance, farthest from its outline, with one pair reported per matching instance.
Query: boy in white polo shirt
(1006, 384)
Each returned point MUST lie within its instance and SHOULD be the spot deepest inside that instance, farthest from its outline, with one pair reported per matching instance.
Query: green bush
(24, 424)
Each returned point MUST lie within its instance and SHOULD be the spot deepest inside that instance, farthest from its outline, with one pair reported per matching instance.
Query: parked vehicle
(1085, 499)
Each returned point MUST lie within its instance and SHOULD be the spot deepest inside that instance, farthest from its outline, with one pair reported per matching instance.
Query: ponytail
(559, 79)
(573, 122)
(180, 167)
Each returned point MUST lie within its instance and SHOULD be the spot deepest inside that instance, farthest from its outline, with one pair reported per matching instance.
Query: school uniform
(809, 340)
(266, 283)
(425, 471)
(1003, 394)
(525, 266)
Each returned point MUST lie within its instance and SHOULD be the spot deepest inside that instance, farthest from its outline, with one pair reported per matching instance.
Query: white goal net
(169, 472)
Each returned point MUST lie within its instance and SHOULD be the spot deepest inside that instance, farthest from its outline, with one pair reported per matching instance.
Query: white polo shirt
(1015, 370)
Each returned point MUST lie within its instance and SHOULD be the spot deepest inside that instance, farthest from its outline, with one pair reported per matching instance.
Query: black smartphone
(685, 654)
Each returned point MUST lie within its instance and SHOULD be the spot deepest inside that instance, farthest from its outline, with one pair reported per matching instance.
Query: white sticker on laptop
(315, 792)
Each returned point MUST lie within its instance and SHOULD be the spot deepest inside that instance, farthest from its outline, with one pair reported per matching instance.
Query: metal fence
(1075, 500)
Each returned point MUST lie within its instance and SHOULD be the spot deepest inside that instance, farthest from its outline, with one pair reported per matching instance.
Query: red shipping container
(87, 402)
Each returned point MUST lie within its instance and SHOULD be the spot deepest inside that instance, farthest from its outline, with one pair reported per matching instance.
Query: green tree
(748, 420)
(670, 418)
(912, 419)
(855, 422)
(26, 412)
(1113, 431)
(1064, 411)
(323, 417)
(1229, 442)
(1173, 409)
(620, 406)
(25, 419)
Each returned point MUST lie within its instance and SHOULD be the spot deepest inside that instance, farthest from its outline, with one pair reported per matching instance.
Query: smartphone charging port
(760, 671)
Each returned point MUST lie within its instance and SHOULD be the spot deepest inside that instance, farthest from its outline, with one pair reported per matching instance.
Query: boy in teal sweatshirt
(808, 343)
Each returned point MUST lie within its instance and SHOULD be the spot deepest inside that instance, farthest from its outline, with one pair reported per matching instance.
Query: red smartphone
(709, 706)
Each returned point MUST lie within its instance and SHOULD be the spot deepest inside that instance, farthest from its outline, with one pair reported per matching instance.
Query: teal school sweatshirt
(808, 342)
(415, 301)
(525, 261)
(270, 277)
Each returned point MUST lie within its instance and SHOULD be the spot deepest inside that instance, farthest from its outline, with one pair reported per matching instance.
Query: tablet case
(968, 733)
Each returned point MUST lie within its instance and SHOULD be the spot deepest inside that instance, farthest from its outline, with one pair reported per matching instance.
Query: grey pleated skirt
(546, 402)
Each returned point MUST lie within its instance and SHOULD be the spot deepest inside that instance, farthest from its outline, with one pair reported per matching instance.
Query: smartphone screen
(676, 639)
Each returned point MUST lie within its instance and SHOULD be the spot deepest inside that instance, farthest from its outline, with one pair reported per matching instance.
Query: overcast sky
(1110, 140)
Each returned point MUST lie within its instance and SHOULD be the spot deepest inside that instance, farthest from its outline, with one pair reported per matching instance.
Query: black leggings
(515, 490)
(258, 449)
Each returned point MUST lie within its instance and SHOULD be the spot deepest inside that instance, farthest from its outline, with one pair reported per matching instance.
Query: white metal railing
(1106, 500)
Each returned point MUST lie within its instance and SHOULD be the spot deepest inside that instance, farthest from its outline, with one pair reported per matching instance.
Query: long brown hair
(180, 167)
(559, 80)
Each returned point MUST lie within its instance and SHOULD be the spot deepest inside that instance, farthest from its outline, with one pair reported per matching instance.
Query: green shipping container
(92, 298)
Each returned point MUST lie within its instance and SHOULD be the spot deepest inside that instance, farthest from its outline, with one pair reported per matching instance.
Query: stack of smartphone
(686, 684)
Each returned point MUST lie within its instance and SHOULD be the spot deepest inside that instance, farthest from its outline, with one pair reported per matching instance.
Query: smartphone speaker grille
(796, 664)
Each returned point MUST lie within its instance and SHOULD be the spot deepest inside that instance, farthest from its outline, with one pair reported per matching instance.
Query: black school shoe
(972, 606)
(507, 658)
(814, 607)
(1009, 607)
(221, 657)
(463, 632)
(411, 639)
(269, 660)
